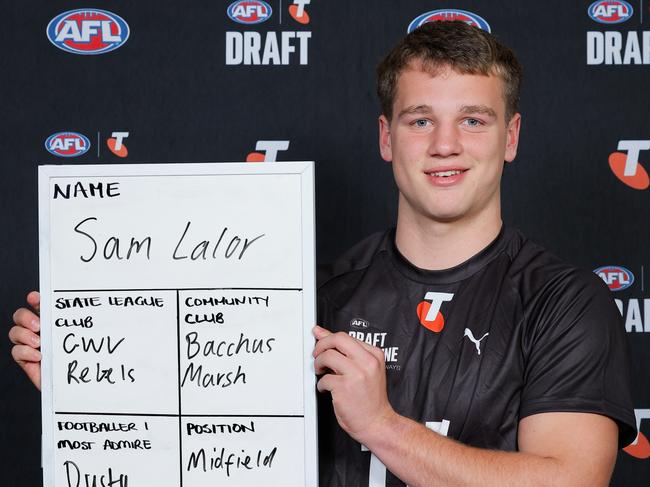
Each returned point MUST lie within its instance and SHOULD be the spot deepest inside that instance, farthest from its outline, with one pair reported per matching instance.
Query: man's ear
(512, 137)
(384, 139)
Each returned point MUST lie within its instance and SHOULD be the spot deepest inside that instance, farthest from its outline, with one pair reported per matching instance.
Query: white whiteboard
(177, 302)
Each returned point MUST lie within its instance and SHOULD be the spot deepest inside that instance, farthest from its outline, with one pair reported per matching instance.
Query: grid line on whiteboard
(180, 401)
(164, 415)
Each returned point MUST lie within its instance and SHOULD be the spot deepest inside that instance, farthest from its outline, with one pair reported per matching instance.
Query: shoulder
(540, 276)
(563, 307)
(347, 271)
(573, 341)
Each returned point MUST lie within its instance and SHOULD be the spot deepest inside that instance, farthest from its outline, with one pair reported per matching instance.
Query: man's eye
(421, 123)
(473, 122)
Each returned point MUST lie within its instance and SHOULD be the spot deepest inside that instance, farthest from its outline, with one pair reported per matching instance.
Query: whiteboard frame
(304, 169)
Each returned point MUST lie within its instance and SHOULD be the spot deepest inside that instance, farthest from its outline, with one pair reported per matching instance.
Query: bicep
(584, 444)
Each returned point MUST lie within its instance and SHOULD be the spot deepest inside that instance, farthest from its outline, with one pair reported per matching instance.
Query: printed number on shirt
(377, 473)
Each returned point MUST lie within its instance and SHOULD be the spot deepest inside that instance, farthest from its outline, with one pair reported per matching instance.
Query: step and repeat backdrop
(294, 80)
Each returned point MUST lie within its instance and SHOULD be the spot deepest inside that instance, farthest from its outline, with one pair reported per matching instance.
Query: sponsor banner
(73, 144)
(636, 313)
(282, 47)
(626, 165)
(610, 12)
(67, 144)
(616, 47)
(267, 150)
(88, 31)
(616, 277)
(115, 144)
(636, 310)
(249, 11)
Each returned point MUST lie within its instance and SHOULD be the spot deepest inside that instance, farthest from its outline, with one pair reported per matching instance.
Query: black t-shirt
(473, 349)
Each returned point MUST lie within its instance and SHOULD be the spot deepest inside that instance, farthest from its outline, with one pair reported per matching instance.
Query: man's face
(447, 140)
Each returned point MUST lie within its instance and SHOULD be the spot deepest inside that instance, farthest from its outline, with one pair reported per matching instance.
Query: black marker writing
(112, 247)
(213, 429)
(201, 250)
(137, 444)
(195, 319)
(86, 322)
(225, 460)
(94, 427)
(208, 379)
(99, 374)
(224, 301)
(76, 479)
(223, 348)
(74, 445)
(91, 190)
(64, 303)
(126, 301)
(71, 343)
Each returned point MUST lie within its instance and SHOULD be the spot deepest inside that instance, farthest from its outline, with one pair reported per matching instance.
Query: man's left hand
(355, 374)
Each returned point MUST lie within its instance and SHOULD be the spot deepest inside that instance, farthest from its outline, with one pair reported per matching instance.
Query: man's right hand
(25, 337)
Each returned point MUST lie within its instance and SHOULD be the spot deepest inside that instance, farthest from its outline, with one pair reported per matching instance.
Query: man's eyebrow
(479, 109)
(415, 109)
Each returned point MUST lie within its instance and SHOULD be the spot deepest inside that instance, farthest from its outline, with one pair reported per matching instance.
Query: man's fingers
(22, 336)
(350, 347)
(333, 360)
(24, 354)
(34, 300)
(27, 319)
(320, 332)
(327, 382)
(375, 351)
(344, 343)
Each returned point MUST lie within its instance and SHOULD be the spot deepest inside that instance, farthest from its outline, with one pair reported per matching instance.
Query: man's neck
(441, 245)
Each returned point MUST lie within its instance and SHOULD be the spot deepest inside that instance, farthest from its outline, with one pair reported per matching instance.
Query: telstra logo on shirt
(429, 310)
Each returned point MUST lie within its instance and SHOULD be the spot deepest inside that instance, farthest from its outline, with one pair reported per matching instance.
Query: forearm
(420, 457)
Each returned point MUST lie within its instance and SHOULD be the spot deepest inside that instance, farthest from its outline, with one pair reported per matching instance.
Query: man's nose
(445, 140)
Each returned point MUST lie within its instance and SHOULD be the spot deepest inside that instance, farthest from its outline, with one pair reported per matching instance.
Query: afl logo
(449, 14)
(87, 31)
(610, 11)
(359, 323)
(616, 277)
(67, 144)
(249, 11)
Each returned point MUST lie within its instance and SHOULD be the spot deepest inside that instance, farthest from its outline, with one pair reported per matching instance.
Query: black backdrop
(170, 88)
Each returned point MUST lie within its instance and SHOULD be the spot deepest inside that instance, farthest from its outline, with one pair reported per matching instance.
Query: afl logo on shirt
(359, 323)
(429, 311)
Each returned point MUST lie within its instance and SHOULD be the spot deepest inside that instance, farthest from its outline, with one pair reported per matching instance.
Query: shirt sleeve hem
(624, 419)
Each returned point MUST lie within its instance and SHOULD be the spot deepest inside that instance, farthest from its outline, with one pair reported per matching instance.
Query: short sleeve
(576, 354)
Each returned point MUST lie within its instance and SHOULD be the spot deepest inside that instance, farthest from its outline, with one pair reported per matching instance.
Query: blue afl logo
(616, 277)
(88, 31)
(249, 11)
(449, 14)
(67, 144)
(610, 11)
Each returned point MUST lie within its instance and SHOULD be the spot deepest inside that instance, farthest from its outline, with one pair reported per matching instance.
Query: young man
(458, 352)
(454, 324)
